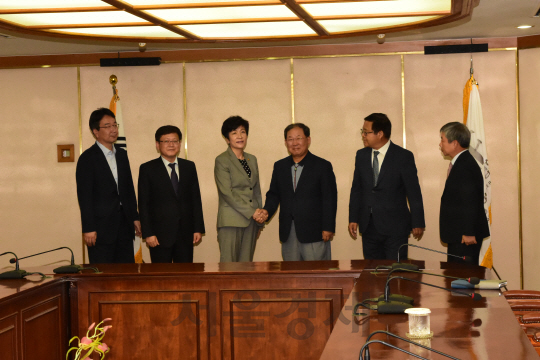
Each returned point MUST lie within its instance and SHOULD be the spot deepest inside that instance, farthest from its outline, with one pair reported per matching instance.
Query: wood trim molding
(278, 52)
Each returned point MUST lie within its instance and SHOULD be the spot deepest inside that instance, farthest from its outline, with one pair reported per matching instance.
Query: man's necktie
(295, 169)
(174, 178)
(449, 169)
(375, 168)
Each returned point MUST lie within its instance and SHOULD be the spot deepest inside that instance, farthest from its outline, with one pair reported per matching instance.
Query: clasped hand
(260, 216)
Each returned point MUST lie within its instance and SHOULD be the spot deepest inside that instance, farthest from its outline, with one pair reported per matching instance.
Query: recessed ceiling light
(525, 26)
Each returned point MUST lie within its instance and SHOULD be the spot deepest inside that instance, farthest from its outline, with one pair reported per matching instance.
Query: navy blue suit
(386, 205)
(312, 206)
(462, 208)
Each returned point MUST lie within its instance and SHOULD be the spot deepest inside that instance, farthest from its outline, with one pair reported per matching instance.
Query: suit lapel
(163, 175)
(306, 171)
(252, 166)
(387, 163)
(104, 164)
(236, 163)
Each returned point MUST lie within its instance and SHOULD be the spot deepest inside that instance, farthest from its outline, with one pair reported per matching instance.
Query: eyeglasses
(110, 126)
(292, 140)
(364, 132)
(167, 142)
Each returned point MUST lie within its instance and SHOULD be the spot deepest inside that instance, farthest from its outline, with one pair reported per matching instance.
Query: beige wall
(38, 199)
(331, 95)
(529, 83)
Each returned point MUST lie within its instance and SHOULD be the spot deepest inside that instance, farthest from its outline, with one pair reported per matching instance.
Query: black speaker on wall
(455, 49)
(137, 61)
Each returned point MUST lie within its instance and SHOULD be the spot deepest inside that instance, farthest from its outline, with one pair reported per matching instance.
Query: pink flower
(103, 347)
(85, 341)
(92, 326)
(107, 319)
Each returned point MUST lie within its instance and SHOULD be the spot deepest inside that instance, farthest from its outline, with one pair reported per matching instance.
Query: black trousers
(377, 246)
(119, 252)
(180, 252)
(471, 252)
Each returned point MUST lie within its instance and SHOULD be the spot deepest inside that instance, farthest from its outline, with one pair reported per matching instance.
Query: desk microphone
(400, 265)
(366, 354)
(393, 307)
(366, 345)
(67, 269)
(13, 274)
(408, 299)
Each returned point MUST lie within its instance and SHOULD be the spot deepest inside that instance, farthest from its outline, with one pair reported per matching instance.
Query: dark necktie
(174, 178)
(295, 169)
(375, 168)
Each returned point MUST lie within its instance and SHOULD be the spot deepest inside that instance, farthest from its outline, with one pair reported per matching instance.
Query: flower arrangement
(89, 344)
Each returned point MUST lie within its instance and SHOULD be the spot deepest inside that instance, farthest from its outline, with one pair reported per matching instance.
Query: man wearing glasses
(304, 186)
(106, 195)
(385, 179)
(170, 201)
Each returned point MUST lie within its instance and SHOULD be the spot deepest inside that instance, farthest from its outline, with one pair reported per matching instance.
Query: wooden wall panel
(199, 314)
(176, 322)
(150, 98)
(333, 96)
(434, 94)
(43, 323)
(254, 319)
(529, 82)
(8, 337)
(38, 112)
(260, 92)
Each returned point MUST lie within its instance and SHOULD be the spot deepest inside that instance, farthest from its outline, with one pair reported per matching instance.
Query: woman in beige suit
(237, 179)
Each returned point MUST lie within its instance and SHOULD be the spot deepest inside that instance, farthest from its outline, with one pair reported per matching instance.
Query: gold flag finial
(113, 80)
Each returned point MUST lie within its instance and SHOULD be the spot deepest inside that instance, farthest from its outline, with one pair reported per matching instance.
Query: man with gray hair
(462, 222)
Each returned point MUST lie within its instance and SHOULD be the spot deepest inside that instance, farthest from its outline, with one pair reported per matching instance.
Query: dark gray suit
(107, 208)
(172, 218)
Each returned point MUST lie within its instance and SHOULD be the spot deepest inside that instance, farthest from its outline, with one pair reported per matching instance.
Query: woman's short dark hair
(168, 129)
(381, 122)
(232, 123)
(97, 116)
(457, 131)
(304, 128)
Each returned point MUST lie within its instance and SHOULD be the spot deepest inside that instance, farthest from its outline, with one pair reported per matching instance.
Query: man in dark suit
(170, 201)
(463, 221)
(304, 186)
(106, 195)
(385, 179)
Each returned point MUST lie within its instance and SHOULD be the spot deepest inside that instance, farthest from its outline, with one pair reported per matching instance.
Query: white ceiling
(491, 18)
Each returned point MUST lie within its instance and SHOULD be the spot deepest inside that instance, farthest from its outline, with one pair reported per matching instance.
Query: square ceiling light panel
(71, 18)
(250, 30)
(123, 31)
(379, 8)
(357, 25)
(51, 4)
(218, 14)
(184, 3)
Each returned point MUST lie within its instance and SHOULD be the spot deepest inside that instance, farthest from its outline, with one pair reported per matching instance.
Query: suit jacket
(100, 197)
(239, 195)
(387, 202)
(462, 202)
(163, 213)
(312, 206)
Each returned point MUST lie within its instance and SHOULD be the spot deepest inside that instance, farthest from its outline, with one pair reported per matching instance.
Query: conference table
(261, 310)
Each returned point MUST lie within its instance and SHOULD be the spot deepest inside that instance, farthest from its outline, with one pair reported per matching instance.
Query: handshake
(260, 216)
